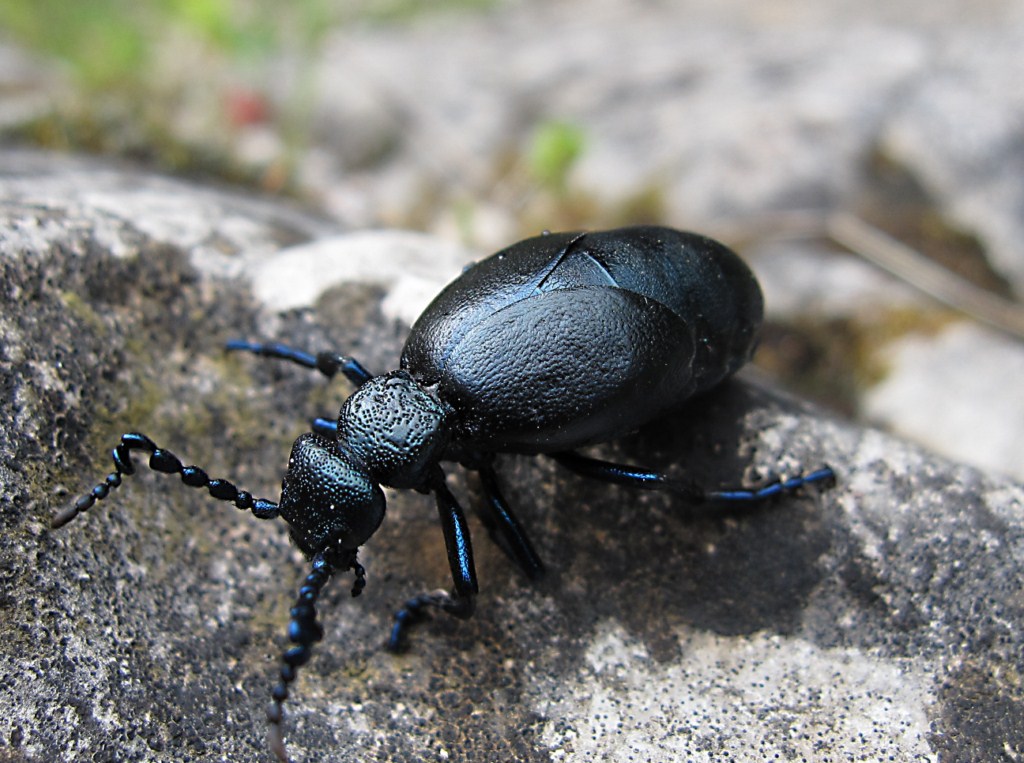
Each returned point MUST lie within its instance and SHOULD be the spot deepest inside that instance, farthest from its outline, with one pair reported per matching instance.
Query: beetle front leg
(632, 476)
(461, 602)
(327, 363)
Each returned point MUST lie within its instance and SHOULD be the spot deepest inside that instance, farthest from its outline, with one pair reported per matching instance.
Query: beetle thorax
(396, 427)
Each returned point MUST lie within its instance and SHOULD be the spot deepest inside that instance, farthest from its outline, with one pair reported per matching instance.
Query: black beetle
(554, 343)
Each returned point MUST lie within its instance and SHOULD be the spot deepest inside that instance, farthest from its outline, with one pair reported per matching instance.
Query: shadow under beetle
(554, 343)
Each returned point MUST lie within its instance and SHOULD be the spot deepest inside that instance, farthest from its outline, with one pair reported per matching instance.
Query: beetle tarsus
(415, 610)
(775, 487)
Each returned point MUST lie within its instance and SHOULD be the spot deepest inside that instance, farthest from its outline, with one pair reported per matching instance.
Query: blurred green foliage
(140, 71)
(244, 33)
(102, 40)
(397, 11)
(109, 43)
(553, 151)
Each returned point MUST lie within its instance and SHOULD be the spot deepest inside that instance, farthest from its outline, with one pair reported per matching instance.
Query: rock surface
(881, 619)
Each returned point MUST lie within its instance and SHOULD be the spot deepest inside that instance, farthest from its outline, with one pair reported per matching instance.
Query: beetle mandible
(554, 343)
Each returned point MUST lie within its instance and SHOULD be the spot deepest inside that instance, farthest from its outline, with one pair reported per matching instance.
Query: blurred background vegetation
(122, 75)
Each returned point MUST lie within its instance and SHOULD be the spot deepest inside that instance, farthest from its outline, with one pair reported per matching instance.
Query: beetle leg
(504, 528)
(633, 476)
(327, 363)
(161, 460)
(775, 487)
(462, 600)
(325, 427)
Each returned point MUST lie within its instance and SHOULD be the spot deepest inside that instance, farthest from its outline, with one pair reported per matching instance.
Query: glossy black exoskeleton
(551, 344)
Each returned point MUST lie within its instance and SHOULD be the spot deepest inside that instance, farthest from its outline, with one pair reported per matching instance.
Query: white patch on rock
(933, 391)
(412, 266)
(738, 698)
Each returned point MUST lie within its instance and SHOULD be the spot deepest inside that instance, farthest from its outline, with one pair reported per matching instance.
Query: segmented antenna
(163, 461)
(303, 632)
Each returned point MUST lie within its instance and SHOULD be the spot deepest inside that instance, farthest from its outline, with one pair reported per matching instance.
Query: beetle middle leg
(503, 527)
(461, 602)
(632, 476)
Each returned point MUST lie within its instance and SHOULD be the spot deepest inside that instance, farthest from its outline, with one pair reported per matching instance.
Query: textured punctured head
(328, 497)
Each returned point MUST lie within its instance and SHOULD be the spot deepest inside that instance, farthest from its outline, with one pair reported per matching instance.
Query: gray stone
(28, 85)
(880, 619)
(931, 394)
(959, 130)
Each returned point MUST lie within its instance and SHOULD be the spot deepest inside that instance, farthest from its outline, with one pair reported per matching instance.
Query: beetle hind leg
(648, 479)
(824, 475)
(503, 527)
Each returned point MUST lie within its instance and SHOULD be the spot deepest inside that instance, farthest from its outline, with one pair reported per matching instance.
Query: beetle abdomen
(569, 338)
(703, 282)
(565, 368)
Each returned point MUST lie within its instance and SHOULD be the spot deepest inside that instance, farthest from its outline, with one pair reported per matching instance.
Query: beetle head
(391, 431)
(328, 497)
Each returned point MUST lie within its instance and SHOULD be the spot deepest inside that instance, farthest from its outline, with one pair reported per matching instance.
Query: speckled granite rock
(878, 620)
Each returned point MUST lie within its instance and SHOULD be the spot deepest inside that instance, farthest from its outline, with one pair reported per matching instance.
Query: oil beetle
(554, 343)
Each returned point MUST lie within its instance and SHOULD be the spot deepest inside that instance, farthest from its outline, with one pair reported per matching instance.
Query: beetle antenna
(161, 460)
(303, 632)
